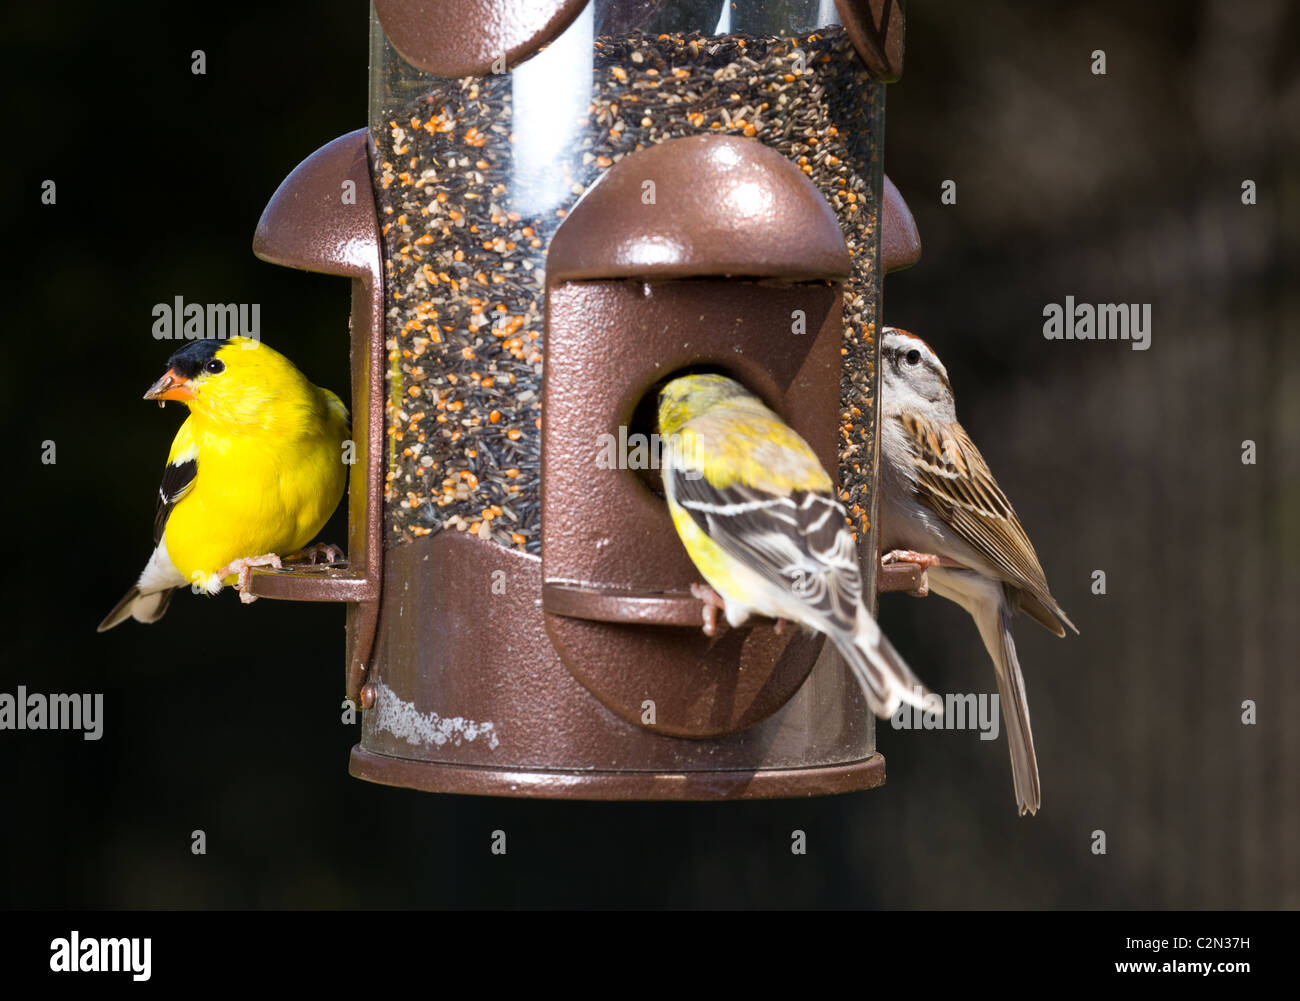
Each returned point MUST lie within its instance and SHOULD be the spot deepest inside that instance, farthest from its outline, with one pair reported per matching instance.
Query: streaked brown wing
(954, 480)
(1045, 615)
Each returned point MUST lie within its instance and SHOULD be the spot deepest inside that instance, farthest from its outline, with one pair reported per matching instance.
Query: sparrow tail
(994, 624)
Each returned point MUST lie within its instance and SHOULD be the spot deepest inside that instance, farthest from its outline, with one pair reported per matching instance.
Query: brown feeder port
(555, 209)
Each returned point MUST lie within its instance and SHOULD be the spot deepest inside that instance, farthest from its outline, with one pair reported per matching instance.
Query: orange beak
(171, 387)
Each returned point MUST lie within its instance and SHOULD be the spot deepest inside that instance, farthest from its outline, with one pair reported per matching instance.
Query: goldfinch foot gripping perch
(758, 517)
(243, 570)
(255, 471)
(713, 604)
(323, 553)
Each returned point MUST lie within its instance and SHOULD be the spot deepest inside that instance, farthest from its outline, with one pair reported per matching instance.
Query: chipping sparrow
(941, 507)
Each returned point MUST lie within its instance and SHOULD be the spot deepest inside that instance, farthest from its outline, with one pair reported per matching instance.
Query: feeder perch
(558, 205)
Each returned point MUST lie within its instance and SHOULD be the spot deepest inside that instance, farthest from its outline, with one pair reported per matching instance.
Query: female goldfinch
(254, 472)
(757, 514)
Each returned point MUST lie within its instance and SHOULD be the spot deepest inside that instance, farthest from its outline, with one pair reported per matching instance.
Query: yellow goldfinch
(757, 514)
(254, 472)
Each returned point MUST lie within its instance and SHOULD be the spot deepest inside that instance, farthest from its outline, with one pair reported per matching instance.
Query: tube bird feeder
(554, 207)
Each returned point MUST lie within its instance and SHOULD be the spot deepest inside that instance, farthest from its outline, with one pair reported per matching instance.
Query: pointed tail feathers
(143, 606)
(995, 629)
(1045, 611)
(886, 680)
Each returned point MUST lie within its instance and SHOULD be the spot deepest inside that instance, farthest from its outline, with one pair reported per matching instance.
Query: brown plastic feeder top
(454, 38)
(876, 30)
(660, 221)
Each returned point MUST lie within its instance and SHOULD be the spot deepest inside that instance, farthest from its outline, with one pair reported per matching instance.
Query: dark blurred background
(1117, 188)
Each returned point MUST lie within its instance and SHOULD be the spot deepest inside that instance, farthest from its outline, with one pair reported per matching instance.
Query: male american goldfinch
(254, 472)
(757, 514)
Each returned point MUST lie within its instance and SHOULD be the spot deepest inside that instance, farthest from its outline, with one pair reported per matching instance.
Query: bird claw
(922, 560)
(243, 569)
(712, 602)
(321, 552)
(911, 556)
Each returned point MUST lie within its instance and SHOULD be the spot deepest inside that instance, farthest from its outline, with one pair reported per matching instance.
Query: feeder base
(776, 783)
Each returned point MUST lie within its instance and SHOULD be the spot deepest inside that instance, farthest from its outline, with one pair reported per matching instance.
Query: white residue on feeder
(402, 719)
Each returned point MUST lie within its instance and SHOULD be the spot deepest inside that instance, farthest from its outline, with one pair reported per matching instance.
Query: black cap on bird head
(177, 383)
(188, 361)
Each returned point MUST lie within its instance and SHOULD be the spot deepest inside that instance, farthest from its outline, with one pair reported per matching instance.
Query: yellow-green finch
(253, 474)
(757, 514)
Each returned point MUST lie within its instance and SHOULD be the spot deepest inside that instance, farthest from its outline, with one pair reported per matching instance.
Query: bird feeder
(554, 207)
